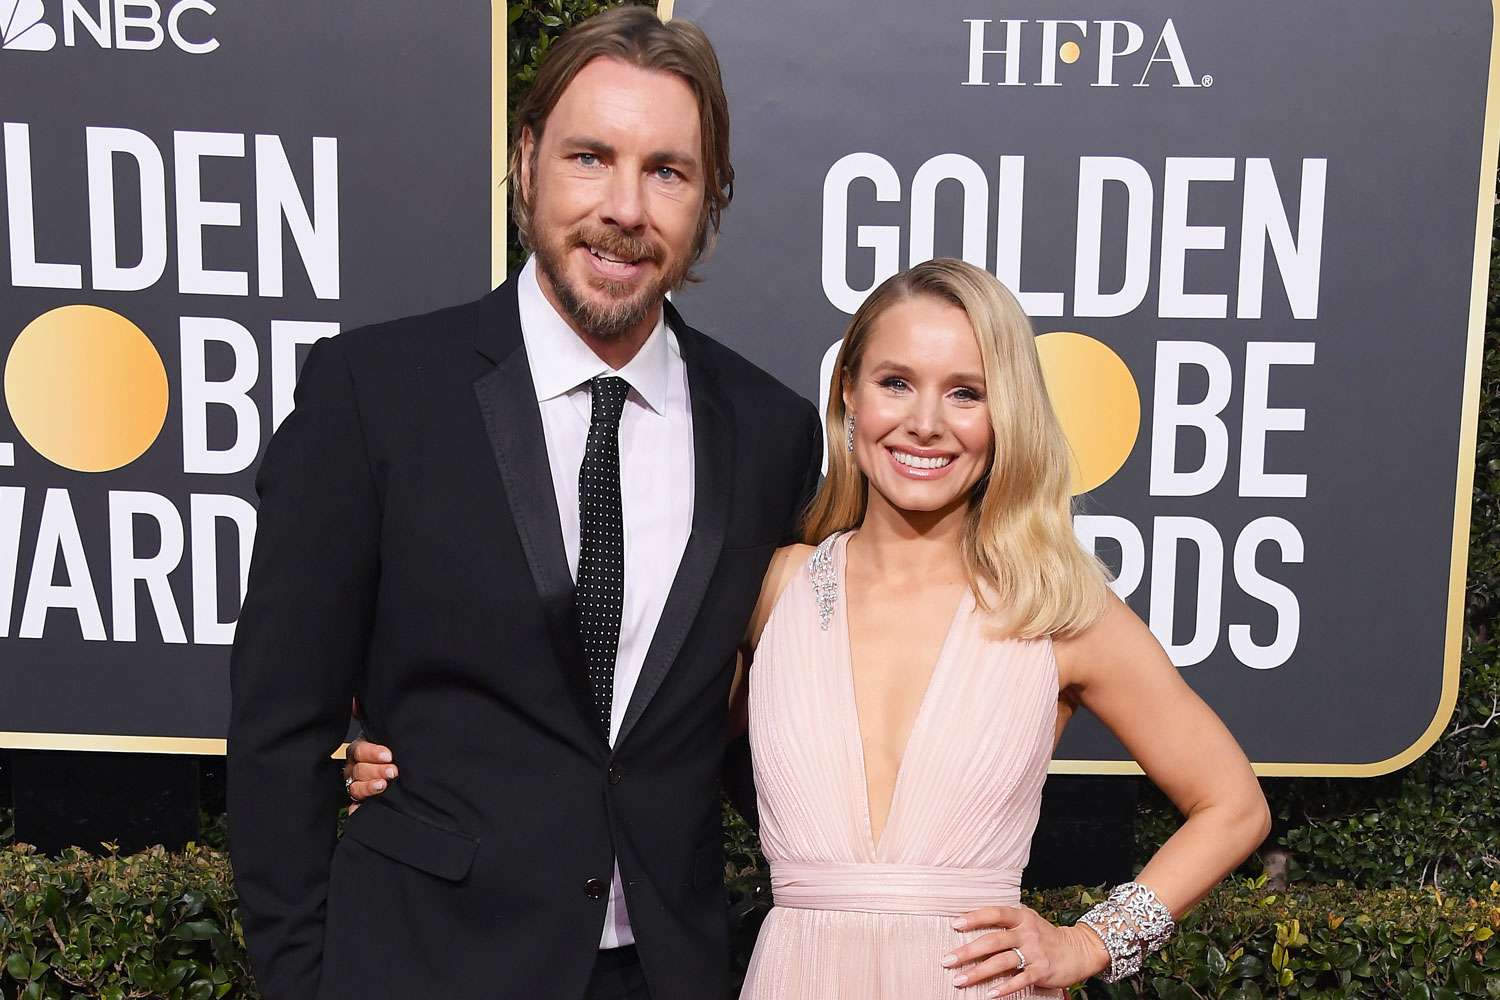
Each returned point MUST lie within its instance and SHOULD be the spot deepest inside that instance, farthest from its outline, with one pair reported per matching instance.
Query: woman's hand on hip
(1024, 947)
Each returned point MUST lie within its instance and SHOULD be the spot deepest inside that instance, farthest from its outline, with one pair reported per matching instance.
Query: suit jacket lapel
(507, 401)
(713, 461)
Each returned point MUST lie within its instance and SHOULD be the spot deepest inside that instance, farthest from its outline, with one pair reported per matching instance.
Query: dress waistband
(877, 888)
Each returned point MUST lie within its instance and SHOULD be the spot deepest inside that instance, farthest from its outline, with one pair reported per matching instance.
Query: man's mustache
(617, 244)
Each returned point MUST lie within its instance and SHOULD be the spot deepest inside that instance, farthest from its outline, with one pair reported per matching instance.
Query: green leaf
(1248, 967)
(175, 974)
(17, 965)
(1166, 989)
(197, 930)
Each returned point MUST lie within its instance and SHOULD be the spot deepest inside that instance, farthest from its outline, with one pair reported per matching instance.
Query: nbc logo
(112, 24)
(21, 26)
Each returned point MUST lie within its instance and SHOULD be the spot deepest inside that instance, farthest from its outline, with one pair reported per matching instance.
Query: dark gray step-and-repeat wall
(196, 192)
(1253, 239)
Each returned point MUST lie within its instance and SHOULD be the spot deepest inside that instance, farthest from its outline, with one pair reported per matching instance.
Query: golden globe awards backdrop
(194, 192)
(1253, 238)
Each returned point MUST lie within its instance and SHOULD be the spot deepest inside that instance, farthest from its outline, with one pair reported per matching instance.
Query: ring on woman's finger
(349, 786)
(1020, 960)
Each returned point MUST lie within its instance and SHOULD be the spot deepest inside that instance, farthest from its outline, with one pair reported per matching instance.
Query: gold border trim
(499, 221)
(114, 744)
(1464, 485)
(499, 137)
(125, 744)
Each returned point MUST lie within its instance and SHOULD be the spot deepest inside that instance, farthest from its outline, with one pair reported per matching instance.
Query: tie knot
(609, 392)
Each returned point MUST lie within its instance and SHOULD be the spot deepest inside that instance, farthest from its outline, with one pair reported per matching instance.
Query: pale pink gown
(856, 920)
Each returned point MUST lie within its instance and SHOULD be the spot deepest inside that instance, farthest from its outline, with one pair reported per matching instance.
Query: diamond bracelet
(1132, 923)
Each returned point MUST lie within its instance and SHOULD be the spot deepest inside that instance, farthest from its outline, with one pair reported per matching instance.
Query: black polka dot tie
(601, 549)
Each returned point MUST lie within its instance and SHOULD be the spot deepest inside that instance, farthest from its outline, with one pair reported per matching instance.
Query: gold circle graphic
(1069, 51)
(1096, 401)
(86, 388)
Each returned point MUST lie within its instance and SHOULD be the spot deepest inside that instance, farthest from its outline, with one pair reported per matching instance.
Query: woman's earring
(849, 433)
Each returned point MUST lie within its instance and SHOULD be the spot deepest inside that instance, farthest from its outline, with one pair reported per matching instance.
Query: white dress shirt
(656, 482)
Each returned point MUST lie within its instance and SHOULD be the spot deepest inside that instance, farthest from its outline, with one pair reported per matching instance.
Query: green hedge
(1246, 942)
(160, 925)
(150, 925)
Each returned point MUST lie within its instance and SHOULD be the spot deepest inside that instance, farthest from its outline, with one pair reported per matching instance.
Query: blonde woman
(908, 671)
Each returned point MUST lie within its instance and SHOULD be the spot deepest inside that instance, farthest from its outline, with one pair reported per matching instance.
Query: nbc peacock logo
(22, 28)
(127, 25)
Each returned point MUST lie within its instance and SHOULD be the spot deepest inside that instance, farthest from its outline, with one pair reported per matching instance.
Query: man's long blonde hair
(1024, 563)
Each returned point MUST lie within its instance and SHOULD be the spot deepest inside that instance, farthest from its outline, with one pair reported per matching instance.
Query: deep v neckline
(923, 706)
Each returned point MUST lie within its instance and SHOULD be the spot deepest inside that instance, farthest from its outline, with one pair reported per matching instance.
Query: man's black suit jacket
(409, 551)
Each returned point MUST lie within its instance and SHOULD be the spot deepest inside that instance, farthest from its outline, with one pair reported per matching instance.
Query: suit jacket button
(595, 888)
(616, 774)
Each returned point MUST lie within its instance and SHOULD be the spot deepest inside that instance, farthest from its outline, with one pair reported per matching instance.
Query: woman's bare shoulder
(1117, 648)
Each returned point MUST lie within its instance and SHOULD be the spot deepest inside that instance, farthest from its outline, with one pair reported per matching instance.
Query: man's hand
(368, 767)
(1025, 948)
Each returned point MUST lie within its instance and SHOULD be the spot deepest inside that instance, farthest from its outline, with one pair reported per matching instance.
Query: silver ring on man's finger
(1020, 960)
(349, 787)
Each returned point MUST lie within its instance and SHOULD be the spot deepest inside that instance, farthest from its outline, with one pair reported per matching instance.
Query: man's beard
(621, 312)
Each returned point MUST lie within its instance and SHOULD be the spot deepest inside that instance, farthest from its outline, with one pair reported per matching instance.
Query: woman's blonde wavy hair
(1024, 563)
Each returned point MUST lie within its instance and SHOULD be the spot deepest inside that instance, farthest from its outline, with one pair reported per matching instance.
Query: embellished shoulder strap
(825, 579)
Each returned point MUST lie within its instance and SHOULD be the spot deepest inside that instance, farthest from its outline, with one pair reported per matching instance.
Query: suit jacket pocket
(425, 846)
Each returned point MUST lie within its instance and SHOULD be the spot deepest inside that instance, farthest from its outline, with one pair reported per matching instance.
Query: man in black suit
(527, 533)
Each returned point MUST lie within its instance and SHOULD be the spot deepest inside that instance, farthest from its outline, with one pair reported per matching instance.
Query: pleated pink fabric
(854, 920)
